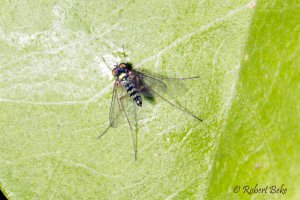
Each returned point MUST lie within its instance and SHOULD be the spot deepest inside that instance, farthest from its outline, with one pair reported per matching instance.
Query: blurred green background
(55, 94)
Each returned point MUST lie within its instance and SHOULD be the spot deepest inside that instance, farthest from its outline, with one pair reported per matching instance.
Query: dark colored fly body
(132, 91)
(126, 79)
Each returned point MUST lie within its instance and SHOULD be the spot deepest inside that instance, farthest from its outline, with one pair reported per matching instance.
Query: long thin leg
(123, 97)
(106, 64)
(180, 108)
(187, 78)
(167, 78)
(104, 132)
(131, 130)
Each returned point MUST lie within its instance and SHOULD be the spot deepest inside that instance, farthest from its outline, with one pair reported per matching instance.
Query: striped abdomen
(133, 93)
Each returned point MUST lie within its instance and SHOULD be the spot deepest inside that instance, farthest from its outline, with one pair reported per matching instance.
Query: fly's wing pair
(121, 101)
(151, 87)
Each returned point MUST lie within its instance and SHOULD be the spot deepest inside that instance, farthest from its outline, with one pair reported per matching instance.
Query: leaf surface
(56, 91)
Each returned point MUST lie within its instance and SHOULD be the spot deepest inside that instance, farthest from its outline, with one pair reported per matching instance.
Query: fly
(136, 86)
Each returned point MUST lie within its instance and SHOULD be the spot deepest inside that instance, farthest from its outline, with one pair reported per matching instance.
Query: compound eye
(122, 65)
(114, 72)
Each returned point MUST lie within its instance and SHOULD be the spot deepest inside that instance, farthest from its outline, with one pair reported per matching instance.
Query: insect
(133, 86)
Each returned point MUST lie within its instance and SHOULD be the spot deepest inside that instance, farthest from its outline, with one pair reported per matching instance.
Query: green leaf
(260, 143)
(55, 94)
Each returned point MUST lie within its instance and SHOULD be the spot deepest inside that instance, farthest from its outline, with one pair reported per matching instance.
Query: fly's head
(120, 71)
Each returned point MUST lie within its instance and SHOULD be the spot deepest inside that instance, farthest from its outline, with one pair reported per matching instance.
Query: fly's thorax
(122, 77)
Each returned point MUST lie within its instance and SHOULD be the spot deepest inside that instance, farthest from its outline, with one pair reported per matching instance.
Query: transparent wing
(115, 107)
(151, 86)
(143, 80)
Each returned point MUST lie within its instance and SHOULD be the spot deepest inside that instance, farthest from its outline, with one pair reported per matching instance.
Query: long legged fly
(133, 86)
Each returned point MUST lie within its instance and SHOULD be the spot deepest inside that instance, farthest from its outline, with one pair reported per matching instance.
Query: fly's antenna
(124, 53)
(106, 63)
(123, 48)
